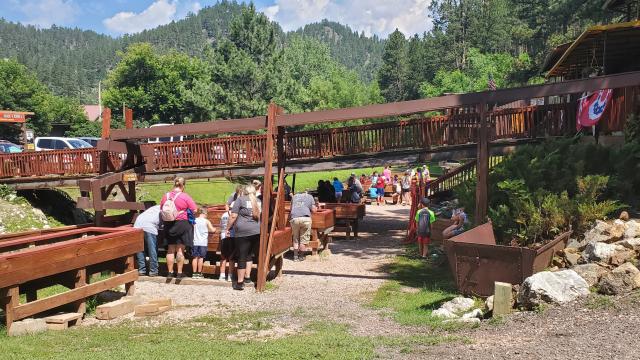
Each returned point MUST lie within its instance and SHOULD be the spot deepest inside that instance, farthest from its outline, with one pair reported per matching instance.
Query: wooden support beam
(502, 299)
(106, 123)
(274, 225)
(267, 188)
(80, 306)
(482, 187)
(128, 118)
(10, 298)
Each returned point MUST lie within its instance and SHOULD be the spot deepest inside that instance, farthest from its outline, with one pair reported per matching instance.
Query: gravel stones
(552, 287)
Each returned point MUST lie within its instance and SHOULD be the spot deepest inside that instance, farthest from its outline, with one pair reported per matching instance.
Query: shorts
(301, 228)
(338, 195)
(179, 232)
(458, 231)
(424, 240)
(199, 251)
(404, 191)
(227, 247)
(380, 191)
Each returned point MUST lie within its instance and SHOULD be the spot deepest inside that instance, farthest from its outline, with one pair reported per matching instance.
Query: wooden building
(602, 50)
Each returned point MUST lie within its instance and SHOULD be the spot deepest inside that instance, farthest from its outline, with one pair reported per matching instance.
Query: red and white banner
(592, 107)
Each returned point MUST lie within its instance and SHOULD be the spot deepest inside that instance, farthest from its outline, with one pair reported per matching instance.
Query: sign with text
(12, 117)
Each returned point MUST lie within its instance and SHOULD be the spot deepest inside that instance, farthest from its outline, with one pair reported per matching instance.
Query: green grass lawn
(209, 338)
(415, 291)
(216, 191)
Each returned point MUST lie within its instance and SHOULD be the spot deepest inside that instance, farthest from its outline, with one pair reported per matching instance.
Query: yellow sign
(130, 177)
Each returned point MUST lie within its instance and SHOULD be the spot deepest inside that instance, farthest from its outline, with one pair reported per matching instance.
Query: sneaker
(171, 275)
(248, 281)
(153, 274)
(299, 258)
(238, 286)
(140, 273)
(222, 277)
(180, 276)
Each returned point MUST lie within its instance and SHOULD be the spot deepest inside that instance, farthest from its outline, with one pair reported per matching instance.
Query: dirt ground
(337, 288)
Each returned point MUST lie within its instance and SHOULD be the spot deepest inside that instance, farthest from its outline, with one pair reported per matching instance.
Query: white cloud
(379, 17)
(160, 12)
(45, 13)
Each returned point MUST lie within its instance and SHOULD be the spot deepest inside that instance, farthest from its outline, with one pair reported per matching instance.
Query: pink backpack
(169, 210)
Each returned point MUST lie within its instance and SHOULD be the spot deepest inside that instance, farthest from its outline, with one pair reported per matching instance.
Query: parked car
(91, 140)
(7, 147)
(164, 139)
(59, 143)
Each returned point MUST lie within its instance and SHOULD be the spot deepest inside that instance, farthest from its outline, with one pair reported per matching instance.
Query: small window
(45, 144)
(60, 145)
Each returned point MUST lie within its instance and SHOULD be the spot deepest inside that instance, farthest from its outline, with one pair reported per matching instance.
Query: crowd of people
(187, 228)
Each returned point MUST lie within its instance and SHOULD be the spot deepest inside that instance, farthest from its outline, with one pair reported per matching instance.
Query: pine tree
(392, 76)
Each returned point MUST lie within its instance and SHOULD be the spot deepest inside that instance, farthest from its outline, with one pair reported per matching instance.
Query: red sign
(12, 117)
(592, 107)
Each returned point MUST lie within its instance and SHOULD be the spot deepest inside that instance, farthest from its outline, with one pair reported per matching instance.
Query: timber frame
(275, 123)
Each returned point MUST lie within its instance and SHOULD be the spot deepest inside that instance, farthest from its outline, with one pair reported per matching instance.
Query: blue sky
(117, 17)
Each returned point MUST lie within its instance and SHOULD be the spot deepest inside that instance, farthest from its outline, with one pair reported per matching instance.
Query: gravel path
(573, 331)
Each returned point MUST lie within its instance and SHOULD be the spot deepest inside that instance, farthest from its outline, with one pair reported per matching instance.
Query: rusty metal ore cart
(477, 262)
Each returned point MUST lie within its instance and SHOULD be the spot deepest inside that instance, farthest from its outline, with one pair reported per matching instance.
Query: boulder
(458, 305)
(591, 273)
(488, 304)
(598, 251)
(27, 326)
(476, 313)
(617, 230)
(575, 244)
(632, 244)
(621, 256)
(594, 236)
(443, 314)
(601, 227)
(621, 280)
(633, 230)
(572, 258)
(552, 287)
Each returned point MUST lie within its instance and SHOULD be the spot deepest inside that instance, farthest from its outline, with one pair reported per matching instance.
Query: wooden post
(267, 188)
(130, 287)
(10, 298)
(106, 123)
(128, 118)
(482, 201)
(502, 299)
(280, 146)
(80, 306)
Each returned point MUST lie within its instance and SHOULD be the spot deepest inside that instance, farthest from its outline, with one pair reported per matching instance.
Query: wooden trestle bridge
(435, 133)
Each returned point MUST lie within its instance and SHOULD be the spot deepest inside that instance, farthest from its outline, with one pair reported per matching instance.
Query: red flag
(592, 107)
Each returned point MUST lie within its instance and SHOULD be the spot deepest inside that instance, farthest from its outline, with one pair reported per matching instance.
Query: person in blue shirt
(337, 184)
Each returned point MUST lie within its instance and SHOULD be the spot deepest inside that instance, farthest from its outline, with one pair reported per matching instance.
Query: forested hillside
(72, 61)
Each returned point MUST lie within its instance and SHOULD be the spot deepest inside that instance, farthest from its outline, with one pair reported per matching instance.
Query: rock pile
(459, 309)
(607, 257)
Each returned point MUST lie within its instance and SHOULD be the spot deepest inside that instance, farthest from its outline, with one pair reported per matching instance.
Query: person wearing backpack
(424, 218)
(174, 208)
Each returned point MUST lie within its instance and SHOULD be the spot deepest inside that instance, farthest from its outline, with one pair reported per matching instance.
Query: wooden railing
(420, 133)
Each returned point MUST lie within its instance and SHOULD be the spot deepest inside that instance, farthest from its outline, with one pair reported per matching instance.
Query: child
(424, 218)
(201, 231)
(380, 183)
(226, 246)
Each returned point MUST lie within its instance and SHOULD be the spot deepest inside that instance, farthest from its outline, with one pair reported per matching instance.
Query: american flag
(491, 84)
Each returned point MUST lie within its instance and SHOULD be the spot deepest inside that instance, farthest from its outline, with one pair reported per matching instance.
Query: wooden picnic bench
(347, 217)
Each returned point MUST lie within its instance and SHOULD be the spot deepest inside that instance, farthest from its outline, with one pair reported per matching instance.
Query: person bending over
(302, 205)
(149, 221)
(459, 219)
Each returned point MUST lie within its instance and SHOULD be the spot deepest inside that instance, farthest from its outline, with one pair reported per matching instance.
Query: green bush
(543, 190)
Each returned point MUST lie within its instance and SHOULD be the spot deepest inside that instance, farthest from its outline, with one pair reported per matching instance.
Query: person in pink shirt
(387, 173)
(178, 229)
